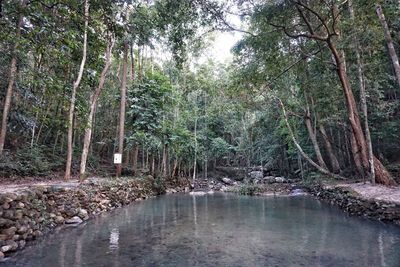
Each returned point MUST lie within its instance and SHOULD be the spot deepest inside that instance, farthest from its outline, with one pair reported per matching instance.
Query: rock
(227, 181)
(105, 202)
(280, 180)
(59, 219)
(4, 222)
(6, 248)
(22, 230)
(256, 175)
(74, 220)
(83, 214)
(37, 233)
(8, 214)
(9, 231)
(269, 179)
(3, 237)
(52, 215)
(170, 191)
(6, 206)
(187, 189)
(10, 246)
(13, 244)
(21, 244)
(20, 205)
(18, 215)
(1, 255)
(298, 192)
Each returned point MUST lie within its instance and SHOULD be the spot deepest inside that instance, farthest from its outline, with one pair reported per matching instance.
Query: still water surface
(220, 230)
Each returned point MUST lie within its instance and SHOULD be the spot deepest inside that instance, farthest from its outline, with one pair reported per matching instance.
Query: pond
(220, 230)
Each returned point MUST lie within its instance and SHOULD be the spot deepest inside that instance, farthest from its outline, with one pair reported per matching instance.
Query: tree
(75, 86)
(92, 107)
(389, 42)
(11, 78)
(122, 106)
(321, 29)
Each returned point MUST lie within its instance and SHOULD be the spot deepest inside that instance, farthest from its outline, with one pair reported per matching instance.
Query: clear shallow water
(220, 230)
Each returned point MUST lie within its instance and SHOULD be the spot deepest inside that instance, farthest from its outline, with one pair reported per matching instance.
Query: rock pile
(28, 215)
(348, 200)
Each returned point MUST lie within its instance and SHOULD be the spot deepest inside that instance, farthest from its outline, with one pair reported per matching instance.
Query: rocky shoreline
(355, 204)
(29, 214)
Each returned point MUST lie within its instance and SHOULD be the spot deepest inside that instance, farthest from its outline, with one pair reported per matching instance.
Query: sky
(220, 50)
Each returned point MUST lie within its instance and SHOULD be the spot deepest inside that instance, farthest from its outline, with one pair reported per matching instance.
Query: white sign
(117, 158)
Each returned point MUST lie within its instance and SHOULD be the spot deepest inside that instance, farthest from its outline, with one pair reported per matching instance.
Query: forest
(312, 88)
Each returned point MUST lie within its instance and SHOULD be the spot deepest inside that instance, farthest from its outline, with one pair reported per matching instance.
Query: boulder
(74, 220)
(9, 231)
(59, 219)
(227, 181)
(1, 255)
(6, 248)
(83, 214)
(22, 230)
(256, 175)
(280, 180)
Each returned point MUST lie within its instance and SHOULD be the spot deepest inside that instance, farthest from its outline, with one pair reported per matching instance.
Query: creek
(219, 230)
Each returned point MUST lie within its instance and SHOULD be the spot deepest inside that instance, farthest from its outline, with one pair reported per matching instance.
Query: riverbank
(365, 200)
(27, 213)
(359, 199)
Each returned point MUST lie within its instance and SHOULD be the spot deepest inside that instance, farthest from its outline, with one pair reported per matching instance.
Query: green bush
(249, 190)
(29, 162)
(158, 185)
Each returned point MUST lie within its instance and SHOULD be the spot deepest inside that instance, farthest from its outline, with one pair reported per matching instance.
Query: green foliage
(36, 161)
(158, 185)
(250, 190)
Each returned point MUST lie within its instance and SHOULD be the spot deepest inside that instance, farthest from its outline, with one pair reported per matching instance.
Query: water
(220, 230)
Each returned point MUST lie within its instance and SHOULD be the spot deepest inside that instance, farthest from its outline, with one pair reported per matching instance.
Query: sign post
(117, 161)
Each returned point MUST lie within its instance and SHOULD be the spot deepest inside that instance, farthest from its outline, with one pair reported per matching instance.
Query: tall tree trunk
(313, 137)
(132, 64)
(363, 98)
(11, 81)
(93, 102)
(122, 107)
(135, 158)
(153, 165)
(389, 43)
(360, 145)
(173, 174)
(75, 86)
(299, 148)
(164, 162)
(332, 158)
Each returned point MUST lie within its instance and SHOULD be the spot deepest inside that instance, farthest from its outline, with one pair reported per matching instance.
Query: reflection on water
(114, 237)
(220, 230)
